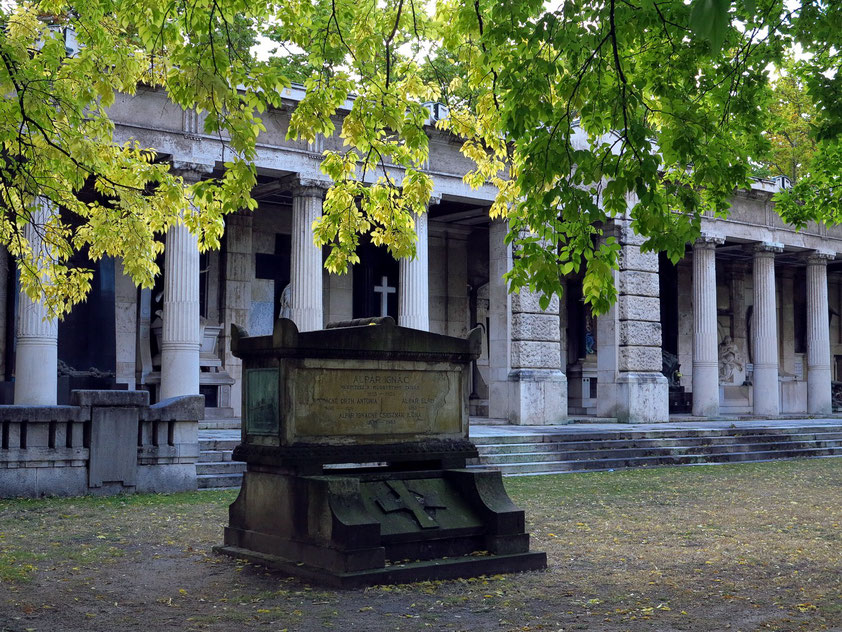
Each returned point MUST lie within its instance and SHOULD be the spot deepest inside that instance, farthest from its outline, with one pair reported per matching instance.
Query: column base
(179, 372)
(36, 372)
(636, 398)
(819, 398)
(705, 390)
(766, 393)
(537, 397)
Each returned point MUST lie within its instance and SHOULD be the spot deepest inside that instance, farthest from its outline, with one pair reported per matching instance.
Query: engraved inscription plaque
(331, 402)
(262, 402)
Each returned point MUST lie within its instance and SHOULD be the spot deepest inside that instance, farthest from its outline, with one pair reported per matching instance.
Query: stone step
(608, 435)
(219, 413)
(631, 453)
(215, 456)
(219, 424)
(656, 461)
(216, 481)
(530, 445)
(206, 445)
(219, 467)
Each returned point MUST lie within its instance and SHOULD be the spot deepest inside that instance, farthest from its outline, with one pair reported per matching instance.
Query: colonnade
(764, 334)
(37, 336)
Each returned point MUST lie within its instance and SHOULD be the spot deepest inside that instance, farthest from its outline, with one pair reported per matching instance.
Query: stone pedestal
(306, 298)
(414, 286)
(630, 383)
(818, 335)
(318, 404)
(765, 332)
(705, 337)
(36, 362)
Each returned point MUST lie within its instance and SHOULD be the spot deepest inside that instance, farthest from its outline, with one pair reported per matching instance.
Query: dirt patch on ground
(743, 547)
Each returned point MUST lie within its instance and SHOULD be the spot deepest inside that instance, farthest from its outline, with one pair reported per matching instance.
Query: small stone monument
(356, 439)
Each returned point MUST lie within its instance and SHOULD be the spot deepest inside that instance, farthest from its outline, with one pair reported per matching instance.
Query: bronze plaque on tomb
(368, 402)
(262, 402)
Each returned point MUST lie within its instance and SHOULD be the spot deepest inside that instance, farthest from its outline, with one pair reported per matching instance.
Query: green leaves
(709, 20)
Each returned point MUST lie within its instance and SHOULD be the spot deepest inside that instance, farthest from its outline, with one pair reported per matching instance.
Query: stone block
(626, 236)
(630, 258)
(263, 291)
(643, 398)
(538, 397)
(526, 301)
(639, 359)
(639, 283)
(644, 308)
(181, 408)
(239, 267)
(639, 333)
(540, 327)
(113, 451)
(166, 479)
(109, 398)
(535, 355)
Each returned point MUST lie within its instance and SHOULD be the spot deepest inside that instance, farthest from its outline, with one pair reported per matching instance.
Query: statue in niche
(590, 332)
(731, 363)
(286, 303)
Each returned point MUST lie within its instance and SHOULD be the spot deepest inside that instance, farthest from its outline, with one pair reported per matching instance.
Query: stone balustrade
(106, 442)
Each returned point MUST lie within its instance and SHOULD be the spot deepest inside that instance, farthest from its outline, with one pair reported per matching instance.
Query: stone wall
(107, 442)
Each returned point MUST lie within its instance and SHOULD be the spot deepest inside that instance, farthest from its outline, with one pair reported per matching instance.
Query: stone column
(181, 332)
(630, 385)
(499, 262)
(414, 285)
(36, 360)
(239, 271)
(306, 261)
(705, 337)
(765, 389)
(818, 335)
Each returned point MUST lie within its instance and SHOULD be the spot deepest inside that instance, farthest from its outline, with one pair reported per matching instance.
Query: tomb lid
(373, 338)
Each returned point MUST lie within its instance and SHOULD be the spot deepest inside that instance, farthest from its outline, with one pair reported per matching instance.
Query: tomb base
(359, 528)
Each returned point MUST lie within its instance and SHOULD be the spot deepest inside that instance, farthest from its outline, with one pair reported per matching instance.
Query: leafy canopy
(577, 112)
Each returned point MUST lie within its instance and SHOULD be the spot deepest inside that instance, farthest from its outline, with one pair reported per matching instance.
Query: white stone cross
(384, 289)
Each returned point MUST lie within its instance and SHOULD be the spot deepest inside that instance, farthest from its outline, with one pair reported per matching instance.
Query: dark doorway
(375, 282)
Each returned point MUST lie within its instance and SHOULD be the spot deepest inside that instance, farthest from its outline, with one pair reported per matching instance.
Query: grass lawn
(737, 547)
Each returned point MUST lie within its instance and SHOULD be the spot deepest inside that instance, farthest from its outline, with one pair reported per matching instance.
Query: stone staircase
(525, 454)
(578, 449)
(215, 468)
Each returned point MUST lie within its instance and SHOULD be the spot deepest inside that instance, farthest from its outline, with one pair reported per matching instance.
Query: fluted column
(306, 263)
(705, 343)
(181, 332)
(818, 335)
(36, 360)
(766, 391)
(414, 285)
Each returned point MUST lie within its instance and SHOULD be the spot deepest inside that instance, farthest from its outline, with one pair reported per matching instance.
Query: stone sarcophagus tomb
(356, 439)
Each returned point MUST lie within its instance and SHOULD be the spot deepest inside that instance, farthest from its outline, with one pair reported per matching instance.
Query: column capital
(820, 257)
(191, 172)
(708, 240)
(309, 187)
(767, 248)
